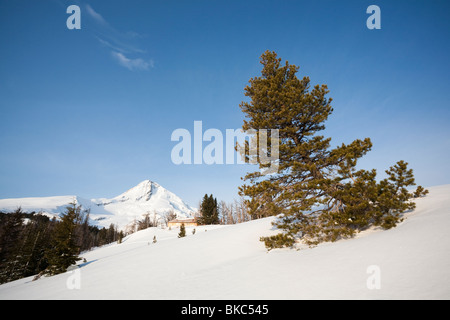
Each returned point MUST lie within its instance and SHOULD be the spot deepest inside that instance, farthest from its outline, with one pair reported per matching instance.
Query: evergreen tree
(279, 100)
(420, 192)
(35, 240)
(111, 233)
(102, 236)
(209, 211)
(10, 231)
(64, 252)
(27, 256)
(25, 248)
(394, 197)
(121, 236)
(10, 245)
(182, 232)
(317, 189)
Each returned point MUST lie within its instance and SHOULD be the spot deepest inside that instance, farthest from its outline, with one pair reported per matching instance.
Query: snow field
(411, 261)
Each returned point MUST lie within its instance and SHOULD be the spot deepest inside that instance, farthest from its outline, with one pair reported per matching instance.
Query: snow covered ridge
(146, 197)
(228, 262)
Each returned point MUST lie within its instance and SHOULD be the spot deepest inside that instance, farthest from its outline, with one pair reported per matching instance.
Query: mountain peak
(147, 183)
(147, 196)
(141, 192)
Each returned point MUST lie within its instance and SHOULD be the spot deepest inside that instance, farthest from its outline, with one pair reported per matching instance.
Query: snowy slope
(229, 262)
(146, 197)
(51, 206)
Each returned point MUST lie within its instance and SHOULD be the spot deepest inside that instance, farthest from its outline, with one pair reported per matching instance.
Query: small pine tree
(393, 196)
(182, 231)
(121, 235)
(420, 192)
(64, 252)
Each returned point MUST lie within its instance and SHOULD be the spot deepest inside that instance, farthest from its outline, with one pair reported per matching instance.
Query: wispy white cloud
(109, 45)
(132, 64)
(95, 15)
(121, 44)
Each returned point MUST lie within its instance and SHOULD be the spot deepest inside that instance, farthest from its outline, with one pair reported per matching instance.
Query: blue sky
(91, 111)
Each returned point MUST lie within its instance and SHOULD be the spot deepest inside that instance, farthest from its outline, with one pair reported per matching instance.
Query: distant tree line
(210, 211)
(149, 220)
(32, 243)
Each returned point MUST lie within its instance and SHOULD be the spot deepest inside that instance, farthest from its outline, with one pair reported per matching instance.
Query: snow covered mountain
(410, 261)
(146, 197)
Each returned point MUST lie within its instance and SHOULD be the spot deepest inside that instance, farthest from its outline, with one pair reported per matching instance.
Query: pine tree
(10, 244)
(318, 191)
(300, 190)
(31, 247)
(10, 232)
(121, 236)
(209, 210)
(394, 197)
(182, 232)
(25, 248)
(64, 252)
(420, 192)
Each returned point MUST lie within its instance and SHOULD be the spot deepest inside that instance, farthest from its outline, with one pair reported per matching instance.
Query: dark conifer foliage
(209, 210)
(318, 191)
(182, 232)
(28, 241)
(65, 249)
(24, 239)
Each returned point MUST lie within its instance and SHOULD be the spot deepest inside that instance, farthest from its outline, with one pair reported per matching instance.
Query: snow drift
(411, 261)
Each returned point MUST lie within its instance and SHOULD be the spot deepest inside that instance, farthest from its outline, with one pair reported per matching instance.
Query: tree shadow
(85, 263)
